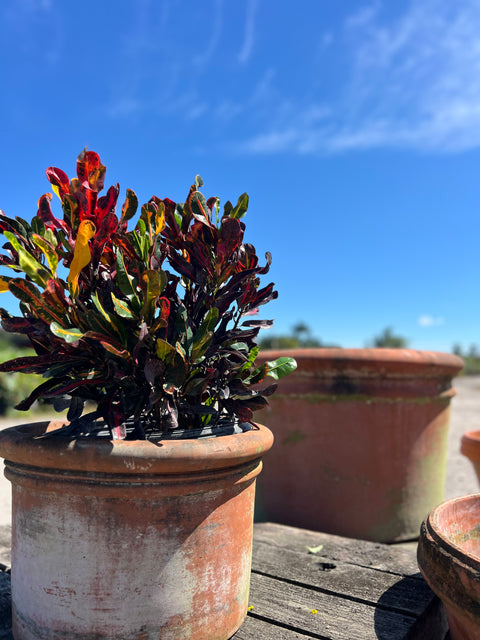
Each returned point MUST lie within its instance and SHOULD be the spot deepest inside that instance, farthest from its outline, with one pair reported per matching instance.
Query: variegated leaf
(81, 255)
(69, 335)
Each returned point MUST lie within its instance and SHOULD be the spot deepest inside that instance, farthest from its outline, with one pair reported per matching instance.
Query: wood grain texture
(363, 553)
(257, 629)
(359, 590)
(291, 605)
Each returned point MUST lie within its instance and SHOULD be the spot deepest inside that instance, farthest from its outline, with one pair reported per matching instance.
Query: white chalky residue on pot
(62, 555)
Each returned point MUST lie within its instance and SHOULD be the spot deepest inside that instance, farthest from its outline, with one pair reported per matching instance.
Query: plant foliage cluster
(155, 325)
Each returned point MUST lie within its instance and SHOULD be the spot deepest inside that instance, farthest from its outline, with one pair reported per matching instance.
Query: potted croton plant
(133, 517)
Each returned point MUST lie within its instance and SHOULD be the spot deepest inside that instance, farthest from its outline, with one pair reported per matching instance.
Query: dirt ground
(460, 476)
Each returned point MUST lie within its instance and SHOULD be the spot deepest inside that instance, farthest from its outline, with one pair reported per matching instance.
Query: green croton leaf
(69, 335)
(241, 207)
(122, 308)
(281, 367)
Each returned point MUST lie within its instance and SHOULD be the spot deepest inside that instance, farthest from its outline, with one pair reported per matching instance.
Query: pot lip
(394, 360)
(472, 434)
(470, 445)
(18, 446)
(471, 562)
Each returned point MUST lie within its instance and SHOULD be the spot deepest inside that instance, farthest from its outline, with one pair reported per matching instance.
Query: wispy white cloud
(38, 26)
(430, 321)
(196, 111)
(124, 107)
(249, 39)
(158, 73)
(406, 80)
(414, 83)
(326, 40)
(203, 58)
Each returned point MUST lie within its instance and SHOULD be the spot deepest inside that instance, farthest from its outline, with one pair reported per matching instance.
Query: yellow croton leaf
(81, 254)
(3, 284)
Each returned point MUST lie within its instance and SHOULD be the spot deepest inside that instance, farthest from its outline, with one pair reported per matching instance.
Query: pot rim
(470, 445)
(469, 561)
(400, 361)
(19, 445)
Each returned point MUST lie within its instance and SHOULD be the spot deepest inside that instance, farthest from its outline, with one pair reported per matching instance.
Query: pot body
(361, 441)
(139, 540)
(449, 559)
(470, 448)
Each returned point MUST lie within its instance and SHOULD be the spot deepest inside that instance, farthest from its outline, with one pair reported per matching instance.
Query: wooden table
(346, 590)
(359, 590)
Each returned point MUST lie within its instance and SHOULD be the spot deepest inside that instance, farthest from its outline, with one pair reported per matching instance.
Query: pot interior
(457, 522)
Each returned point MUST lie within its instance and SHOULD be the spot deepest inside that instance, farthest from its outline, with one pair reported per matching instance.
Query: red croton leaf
(164, 305)
(172, 225)
(58, 179)
(106, 204)
(231, 236)
(90, 171)
(54, 296)
(46, 216)
(107, 228)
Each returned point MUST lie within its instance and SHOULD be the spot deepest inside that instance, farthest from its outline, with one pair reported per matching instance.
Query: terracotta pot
(470, 447)
(449, 559)
(361, 441)
(139, 540)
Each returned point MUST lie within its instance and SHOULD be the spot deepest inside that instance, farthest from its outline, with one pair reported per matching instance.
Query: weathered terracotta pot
(361, 441)
(449, 559)
(140, 540)
(470, 447)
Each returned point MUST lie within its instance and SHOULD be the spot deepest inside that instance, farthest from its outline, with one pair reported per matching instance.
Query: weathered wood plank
(432, 626)
(363, 553)
(5, 607)
(404, 594)
(292, 606)
(257, 629)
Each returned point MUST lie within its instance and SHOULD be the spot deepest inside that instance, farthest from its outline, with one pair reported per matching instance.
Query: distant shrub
(300, 338)
(388, 340)
(14, 386)
(471, 357)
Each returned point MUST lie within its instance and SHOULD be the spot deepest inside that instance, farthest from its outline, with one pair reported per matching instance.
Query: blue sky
(353, 126)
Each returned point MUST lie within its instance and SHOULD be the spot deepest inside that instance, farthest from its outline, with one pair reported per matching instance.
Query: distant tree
(303, 334)
(473, 352)
(470, 356)
(457, 350)
(301, 337)
(387, 339)
(278, 342)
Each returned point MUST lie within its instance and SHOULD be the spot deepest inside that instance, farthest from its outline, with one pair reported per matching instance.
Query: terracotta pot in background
(470, 448)
(449, 559)
(361, 441)
(140, 539)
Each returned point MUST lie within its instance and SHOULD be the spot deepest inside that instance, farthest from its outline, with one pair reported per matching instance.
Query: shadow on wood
(432, 625)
